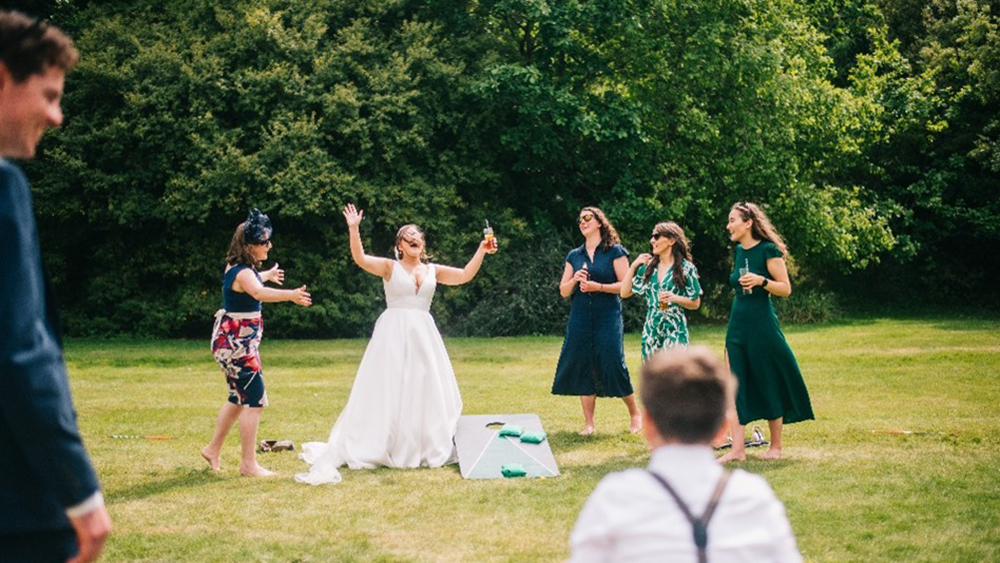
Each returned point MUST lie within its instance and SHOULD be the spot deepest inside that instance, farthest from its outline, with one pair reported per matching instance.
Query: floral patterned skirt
(235, 339)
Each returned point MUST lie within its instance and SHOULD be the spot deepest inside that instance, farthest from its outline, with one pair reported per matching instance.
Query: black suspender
(699, 525)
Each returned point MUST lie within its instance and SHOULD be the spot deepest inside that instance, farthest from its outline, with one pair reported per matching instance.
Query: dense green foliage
(866, 127)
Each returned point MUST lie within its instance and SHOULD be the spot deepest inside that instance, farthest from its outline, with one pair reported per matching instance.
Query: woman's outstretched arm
(381, 267)
(454, 276)
(248, 283)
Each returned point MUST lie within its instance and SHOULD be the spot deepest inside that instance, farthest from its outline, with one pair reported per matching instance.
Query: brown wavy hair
(239, 251)
(762, 228)
(401, 235)
(29, 46)
(609, 236)
(681, 251)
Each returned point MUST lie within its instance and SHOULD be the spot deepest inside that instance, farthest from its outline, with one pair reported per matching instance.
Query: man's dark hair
(685, 393)
(30, 45)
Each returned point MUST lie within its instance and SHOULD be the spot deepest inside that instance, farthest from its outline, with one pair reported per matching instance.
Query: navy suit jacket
(44, 467)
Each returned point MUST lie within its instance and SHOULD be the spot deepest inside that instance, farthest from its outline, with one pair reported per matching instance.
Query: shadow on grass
(567, 440)
(181, 479)
(754, 464)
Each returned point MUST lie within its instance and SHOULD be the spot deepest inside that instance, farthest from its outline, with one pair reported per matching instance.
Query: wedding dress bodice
(401, 291)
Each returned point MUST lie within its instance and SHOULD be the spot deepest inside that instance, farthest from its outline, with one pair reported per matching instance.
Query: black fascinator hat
(257, 228)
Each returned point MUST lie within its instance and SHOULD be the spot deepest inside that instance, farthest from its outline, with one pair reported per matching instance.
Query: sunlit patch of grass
(852, 489)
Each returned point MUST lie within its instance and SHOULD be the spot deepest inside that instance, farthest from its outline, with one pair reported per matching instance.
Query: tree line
(867, 129)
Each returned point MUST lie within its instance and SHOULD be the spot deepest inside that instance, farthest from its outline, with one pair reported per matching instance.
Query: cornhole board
(482, 450)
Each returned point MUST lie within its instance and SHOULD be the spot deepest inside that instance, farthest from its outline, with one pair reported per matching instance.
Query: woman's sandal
(275, 446)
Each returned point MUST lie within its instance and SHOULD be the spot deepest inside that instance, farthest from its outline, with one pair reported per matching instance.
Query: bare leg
(739, 449)
(223, 423)
(249, 420)
(589, 402)
(738, 452)
(635, 419)
(774, 452)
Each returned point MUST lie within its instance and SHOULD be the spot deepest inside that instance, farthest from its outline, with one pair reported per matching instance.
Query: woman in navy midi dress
(592, 361)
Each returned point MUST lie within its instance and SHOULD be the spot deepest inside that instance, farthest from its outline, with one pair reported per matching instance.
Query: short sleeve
(692, 287)
(569, 257)
(771, 250)
(617, 251)
(639, 279)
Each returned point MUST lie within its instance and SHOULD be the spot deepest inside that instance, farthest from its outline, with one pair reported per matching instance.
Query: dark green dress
(770, 383)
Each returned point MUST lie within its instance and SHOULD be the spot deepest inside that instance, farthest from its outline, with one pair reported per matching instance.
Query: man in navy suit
(51, 508)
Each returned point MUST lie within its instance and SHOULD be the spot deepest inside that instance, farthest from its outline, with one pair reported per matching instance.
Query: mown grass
(852, 493)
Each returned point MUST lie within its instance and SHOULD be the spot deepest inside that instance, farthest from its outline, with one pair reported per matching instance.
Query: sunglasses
(586, 217)
(658, 236)
(264, 243)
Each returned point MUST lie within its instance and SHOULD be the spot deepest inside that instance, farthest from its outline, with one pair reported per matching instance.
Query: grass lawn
(852, 493)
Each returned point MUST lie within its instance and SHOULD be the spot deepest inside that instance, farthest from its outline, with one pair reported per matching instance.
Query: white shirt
(630, 517)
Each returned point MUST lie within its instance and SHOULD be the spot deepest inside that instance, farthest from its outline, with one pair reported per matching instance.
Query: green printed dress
(770, 383)
(665, 329)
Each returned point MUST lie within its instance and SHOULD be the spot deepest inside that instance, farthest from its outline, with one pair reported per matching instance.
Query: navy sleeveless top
(234, 301)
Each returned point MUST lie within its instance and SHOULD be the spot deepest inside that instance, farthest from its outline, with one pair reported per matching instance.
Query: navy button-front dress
(592, 361)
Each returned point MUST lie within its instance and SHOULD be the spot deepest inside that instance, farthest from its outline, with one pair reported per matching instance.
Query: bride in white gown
(404, 406)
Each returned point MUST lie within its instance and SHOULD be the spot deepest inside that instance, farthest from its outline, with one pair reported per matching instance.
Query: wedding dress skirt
(404, 407)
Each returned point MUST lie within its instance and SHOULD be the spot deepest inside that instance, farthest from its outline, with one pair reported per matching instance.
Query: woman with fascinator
(404, 406)
(236, 336)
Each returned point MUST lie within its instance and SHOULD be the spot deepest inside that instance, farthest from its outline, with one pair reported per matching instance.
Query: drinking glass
(743, 272)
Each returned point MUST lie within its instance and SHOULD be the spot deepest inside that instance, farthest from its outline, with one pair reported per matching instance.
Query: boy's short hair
(685, 393)
(30, 45)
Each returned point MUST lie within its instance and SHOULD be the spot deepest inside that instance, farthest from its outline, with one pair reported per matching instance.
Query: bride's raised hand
(353, 215)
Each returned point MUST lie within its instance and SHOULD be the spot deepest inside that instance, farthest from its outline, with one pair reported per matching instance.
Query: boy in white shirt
(632, 516)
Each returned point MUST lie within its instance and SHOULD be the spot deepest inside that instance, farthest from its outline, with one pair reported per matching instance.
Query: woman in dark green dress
(592, 361)
(770, 383)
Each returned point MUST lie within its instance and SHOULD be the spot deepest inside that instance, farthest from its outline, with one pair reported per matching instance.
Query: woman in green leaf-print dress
(669, 282)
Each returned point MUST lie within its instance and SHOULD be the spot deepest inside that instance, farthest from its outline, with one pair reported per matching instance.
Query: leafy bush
(808, 306)
(183, 114)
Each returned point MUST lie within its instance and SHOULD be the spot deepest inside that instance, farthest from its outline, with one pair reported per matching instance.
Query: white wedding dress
(404, 406)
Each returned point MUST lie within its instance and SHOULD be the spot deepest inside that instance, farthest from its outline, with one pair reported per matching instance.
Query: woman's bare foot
(732, 456)
(587, 430)
(211, 457)
(635, 425)
(255, 471)
(771, 454)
